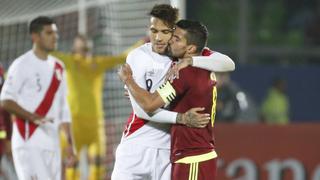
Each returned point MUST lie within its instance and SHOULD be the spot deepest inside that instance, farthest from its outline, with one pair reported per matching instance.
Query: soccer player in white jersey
(35, 92)
(144, 151)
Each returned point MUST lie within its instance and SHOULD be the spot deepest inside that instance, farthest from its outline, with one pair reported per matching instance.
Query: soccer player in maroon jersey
(192, 149)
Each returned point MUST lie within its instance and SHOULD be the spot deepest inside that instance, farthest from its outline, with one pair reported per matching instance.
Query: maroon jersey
(5, 120)
(194, 88)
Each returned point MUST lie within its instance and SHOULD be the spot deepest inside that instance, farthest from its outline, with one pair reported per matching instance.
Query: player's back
(197, 89)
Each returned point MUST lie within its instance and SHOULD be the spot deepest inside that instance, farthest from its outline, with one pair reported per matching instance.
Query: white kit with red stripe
(149, 70)
(37, 86)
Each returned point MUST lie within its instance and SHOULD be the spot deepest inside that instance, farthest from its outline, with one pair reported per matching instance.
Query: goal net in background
(112, 24)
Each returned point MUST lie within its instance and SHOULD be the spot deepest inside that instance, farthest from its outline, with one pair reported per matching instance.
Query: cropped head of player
(44, 33)
(162, 23)
(189, 39)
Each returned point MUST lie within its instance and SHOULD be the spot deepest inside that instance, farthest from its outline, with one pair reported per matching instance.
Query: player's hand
(71, 158)
(125, 72)
(126, 93)
(40, 121)
(192, 118)
(173, 72)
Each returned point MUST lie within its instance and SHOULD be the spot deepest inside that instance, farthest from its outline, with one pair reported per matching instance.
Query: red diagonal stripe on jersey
(134, 123)
(45, 104)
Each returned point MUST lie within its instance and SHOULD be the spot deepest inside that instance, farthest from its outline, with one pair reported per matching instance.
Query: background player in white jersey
(35, 92)
(151, 139)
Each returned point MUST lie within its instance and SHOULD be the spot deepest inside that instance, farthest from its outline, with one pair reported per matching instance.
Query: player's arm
(70, 148)
(14, 108)
(108, 62)
(139, 61)
(65, 125)
(191, 118)
(151, 103)
(9, 96)
(216, 62)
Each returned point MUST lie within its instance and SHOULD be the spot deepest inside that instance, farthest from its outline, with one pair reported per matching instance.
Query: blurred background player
(36, 93)
(275, 107)
(85, 74)
(5, 134)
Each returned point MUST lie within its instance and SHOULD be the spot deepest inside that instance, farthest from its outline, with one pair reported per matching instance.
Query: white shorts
(136, 162)
(32, 163)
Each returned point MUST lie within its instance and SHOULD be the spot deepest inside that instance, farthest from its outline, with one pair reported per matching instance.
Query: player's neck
(40, 53)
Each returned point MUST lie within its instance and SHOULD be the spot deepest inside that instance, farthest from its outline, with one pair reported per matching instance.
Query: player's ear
(191, 49)
(35, 37)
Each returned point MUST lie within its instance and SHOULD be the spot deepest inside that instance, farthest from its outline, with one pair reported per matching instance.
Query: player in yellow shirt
(85, 75)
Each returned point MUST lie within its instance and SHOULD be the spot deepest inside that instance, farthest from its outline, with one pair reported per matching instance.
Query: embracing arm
(216, 62)
(151, 103)
(159, 115)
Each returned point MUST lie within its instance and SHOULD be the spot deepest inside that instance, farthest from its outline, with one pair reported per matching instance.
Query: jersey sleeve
(215, 62)
(15, 81)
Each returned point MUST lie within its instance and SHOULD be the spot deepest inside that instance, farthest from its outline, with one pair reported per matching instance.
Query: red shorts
(205, 170)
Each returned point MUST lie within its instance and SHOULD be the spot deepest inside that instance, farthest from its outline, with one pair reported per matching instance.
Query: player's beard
(168, 52)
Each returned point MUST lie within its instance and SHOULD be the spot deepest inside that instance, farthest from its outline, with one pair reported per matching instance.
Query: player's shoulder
(141, 50)
(22, 60)
(57, 60)
(141, 53)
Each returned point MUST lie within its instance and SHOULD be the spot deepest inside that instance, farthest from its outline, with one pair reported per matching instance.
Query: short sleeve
(14, 82)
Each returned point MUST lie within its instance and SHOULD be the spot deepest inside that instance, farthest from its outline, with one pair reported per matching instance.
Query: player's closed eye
(166, 31)
(153, 30)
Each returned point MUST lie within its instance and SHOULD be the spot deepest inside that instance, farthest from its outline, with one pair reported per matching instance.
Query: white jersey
(149, 70)
(28, 81)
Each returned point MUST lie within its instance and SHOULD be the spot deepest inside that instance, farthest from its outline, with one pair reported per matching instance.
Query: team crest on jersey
(59, 74)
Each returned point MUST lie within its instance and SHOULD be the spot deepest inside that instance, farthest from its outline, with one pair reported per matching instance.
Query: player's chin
(161, 50)
(51, 48)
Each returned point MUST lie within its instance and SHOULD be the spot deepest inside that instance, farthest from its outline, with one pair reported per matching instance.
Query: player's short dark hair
(37, 24)
(197, 33)
(165, 12)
